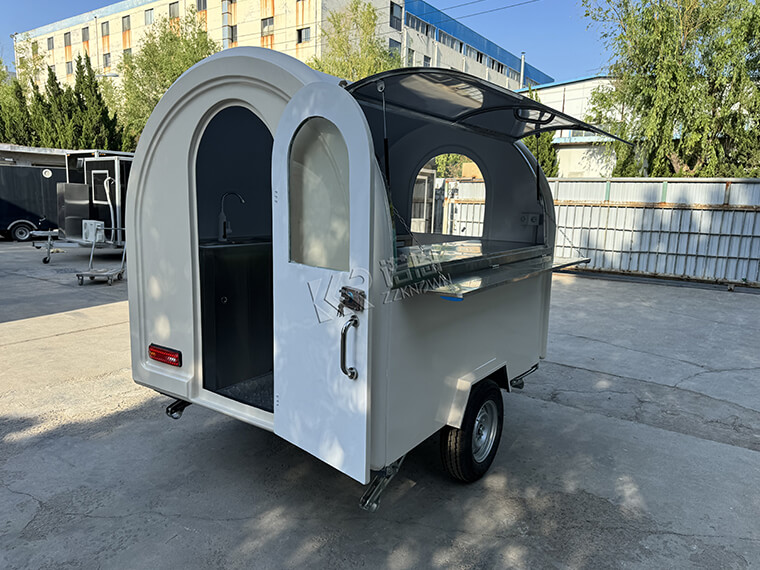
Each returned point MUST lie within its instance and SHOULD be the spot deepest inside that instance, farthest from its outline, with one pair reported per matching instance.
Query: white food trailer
(273, 278)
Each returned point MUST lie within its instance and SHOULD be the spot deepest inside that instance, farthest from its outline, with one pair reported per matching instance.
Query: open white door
(321, 194)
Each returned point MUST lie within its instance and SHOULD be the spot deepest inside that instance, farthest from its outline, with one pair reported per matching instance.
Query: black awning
(463, 99)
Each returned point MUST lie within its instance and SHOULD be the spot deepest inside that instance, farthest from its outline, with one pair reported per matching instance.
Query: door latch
(350, 298)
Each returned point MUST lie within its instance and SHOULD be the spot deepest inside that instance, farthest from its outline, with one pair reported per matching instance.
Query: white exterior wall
(578, 158)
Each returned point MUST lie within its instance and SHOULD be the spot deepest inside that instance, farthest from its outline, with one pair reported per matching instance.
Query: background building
(579, 153)
(422, 34)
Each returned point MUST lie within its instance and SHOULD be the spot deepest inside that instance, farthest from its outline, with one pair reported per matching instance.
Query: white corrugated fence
(701, 229)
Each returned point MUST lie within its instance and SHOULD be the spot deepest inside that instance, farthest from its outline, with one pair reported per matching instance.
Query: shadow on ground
(32, 288)
(133, 488)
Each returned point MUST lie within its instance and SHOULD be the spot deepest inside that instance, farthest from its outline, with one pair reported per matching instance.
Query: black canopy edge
(521, 103)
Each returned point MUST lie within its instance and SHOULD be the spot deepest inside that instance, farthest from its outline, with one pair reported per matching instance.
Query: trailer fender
(22, 221)
(491, 370)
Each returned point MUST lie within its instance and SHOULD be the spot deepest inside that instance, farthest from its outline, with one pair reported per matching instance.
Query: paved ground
(636, 445)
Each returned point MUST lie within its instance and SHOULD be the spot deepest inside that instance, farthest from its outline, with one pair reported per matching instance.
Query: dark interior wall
(510, 182)
(235, 155)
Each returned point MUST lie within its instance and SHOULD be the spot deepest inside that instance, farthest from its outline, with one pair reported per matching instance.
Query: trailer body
(28, 199)
(95, 189)
(273, 275)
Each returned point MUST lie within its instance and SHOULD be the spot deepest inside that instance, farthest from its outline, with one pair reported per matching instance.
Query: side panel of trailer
(27, 193)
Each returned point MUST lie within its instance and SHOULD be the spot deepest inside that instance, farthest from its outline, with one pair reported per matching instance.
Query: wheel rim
(22, 233)
(484, 433)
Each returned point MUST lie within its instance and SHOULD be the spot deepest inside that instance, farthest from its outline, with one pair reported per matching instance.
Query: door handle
(351, 371)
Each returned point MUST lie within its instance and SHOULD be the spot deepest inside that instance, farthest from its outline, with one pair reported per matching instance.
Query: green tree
(352, 48)
(449, 165)
(31, 62)
(686, 85)
(166, 51)
(542, 147)
(97, 126)
(17, 123)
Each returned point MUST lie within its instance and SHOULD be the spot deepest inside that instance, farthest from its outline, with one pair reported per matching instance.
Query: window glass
(174, 10)
(67, 39)
(267, 26)
(126, 24)
(50, 43)
(148, 17)
(85, 34)
(200, 5)
(394, 46)
(426, 61)
(395, 16)
(233, 35)
(319, 209)
(105, 29)
(304, 35)
(449, 197)
(69, 68)
(106, 60)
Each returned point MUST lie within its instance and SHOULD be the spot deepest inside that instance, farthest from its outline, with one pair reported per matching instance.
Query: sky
(552, 33)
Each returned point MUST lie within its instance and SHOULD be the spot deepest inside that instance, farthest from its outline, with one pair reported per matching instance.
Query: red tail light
(166, 355)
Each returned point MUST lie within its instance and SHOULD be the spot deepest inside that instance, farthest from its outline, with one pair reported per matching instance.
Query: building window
(422, 27)
(67, 39)
(514, 75)
(69, 68)
(35, 48)
(409, 57)
(304, 35)
(267, 26)
(479, 57)
(126, 24)
(425, 61)
(128, 52)
(200, 5)
(85, 34)
(394, 46)
(395, 16)
(233, 36)
(106, 60)
(148, 17)
(174, 10)
(51, 44)
(105, 29)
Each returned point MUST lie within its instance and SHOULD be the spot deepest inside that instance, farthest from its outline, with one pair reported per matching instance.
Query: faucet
(224, 226)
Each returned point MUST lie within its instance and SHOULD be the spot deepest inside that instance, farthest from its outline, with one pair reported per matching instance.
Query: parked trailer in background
(274, 276)
(28, 200)
(95, 189)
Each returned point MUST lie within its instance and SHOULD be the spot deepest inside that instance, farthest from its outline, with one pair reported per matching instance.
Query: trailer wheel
(468, 452)
(21, 231)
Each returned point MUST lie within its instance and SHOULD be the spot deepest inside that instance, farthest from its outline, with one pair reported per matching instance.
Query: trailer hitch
(370, 500)
(175, 409)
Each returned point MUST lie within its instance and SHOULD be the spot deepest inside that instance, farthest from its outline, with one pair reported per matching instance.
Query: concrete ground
(636, 445)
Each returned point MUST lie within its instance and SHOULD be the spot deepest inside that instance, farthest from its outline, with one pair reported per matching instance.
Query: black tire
(465, 457)
(45, 260)
(21, 232)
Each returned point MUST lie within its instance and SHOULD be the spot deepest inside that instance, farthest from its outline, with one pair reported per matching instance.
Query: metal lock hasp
(351, 298)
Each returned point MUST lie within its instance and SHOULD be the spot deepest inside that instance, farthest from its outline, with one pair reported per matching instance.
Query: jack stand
(175, 409)
(370, 501)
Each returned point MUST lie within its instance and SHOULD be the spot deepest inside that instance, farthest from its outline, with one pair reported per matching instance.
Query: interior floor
(257, 392)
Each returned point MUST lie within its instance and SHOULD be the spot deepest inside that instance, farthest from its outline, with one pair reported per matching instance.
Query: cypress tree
(97, 128)
(18, 123)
